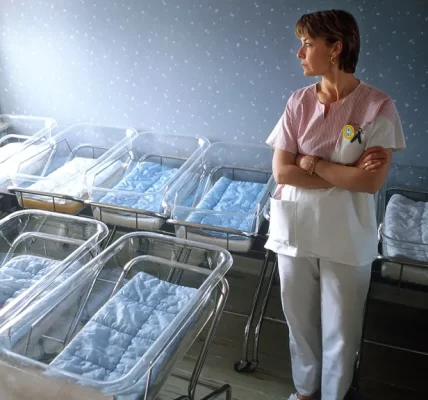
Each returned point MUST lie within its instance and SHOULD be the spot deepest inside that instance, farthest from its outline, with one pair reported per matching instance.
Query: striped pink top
(303, 129)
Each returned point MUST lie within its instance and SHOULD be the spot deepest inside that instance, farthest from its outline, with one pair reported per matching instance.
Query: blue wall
(222, 69)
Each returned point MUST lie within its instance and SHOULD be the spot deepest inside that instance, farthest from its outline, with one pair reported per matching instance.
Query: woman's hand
(303, 161)
(372, 159)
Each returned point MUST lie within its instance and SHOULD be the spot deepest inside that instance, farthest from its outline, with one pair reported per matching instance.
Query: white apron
(332, 224)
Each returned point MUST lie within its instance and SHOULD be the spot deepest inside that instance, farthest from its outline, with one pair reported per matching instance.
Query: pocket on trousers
(283, 221)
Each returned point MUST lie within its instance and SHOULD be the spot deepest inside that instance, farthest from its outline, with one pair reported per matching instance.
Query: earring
(332, 60)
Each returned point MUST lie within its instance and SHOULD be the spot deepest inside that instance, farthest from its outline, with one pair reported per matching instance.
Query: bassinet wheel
(244, 366)
(253, 366)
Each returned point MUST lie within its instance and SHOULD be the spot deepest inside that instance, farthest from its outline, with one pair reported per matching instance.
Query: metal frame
(246, 364)
(243, 365)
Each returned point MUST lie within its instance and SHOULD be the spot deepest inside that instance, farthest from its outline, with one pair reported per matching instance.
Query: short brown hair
(333, 26)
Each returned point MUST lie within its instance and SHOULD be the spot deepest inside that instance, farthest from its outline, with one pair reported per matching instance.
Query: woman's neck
(337, 86)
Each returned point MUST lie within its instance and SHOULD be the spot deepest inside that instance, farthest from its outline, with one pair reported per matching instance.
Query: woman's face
(315, 56)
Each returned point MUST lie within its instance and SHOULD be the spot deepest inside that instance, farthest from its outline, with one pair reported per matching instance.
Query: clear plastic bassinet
(21, 137)
(40, 249)
(220, 198)
(155, 162)
(60, 186)
(402, 206)
(122, 322)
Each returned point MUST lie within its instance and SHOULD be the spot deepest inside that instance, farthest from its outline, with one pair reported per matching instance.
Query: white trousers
(323, 304)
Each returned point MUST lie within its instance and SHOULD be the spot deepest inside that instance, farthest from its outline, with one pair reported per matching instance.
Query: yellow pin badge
(348, 132)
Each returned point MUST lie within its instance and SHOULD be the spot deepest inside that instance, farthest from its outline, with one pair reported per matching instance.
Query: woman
(333, 148)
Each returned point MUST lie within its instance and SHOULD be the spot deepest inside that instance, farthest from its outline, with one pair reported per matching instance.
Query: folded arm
(368, 174)
(286, 172)
(354, 179)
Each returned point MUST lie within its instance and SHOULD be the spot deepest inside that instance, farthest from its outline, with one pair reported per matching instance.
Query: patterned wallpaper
(220, 69)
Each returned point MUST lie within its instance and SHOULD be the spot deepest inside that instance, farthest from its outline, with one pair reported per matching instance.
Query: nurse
(333, 148)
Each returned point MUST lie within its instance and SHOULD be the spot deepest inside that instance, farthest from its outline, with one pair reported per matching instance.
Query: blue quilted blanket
(120, 333)
(144, 178)
(21, 272)
(232, 200)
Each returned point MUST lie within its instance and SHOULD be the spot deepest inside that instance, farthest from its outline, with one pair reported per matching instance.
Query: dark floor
(391, 372)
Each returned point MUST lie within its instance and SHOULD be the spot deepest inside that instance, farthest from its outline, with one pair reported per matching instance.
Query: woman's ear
(337, 48)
